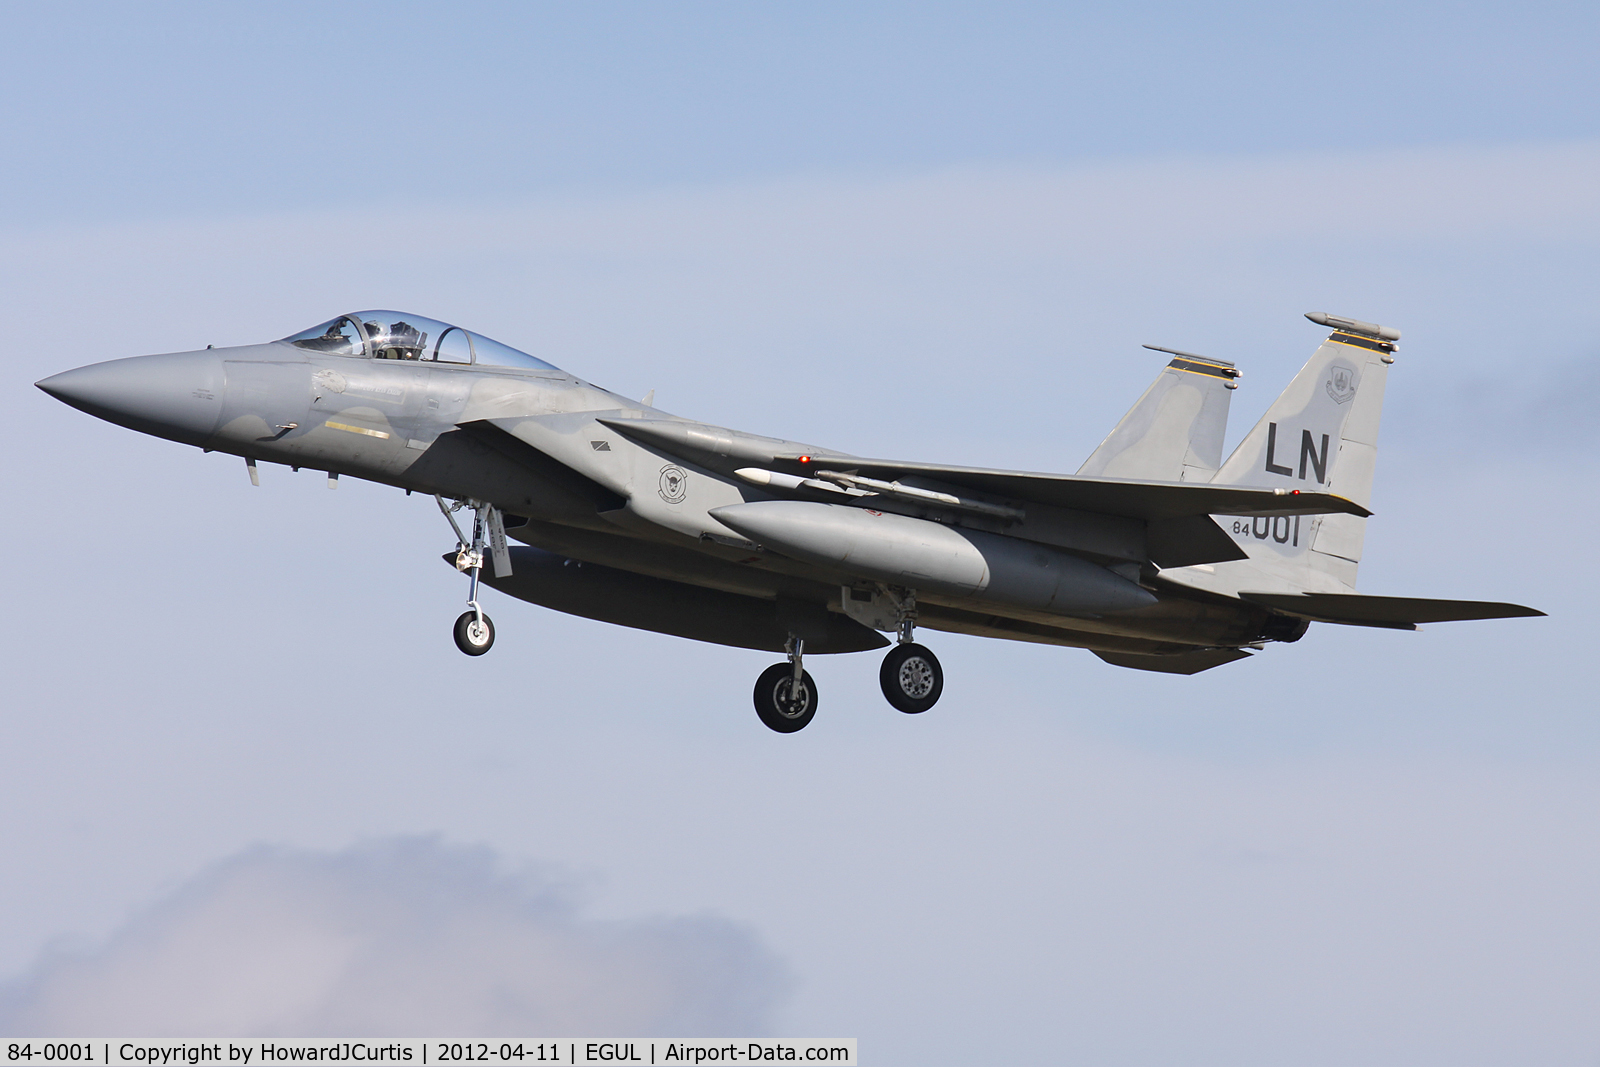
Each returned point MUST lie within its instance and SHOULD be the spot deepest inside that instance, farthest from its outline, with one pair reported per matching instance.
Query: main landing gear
(786, 697)
(911, 678)
(474, 631)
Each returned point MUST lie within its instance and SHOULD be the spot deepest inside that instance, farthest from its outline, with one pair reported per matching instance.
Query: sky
(248, 785)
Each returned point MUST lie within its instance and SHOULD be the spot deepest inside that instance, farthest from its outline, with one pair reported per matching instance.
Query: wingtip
(1358, 510)
(1350, 506)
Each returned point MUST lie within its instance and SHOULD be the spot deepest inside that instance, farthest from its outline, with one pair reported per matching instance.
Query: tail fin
(1322, 433)
(1174, 432)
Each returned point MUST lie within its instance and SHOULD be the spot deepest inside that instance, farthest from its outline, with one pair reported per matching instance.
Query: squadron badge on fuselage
(674, 484)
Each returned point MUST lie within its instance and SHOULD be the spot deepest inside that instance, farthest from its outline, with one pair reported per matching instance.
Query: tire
(911, 678)
(779, 706)
(470, 637)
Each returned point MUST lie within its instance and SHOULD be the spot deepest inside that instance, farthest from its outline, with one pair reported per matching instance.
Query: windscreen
(339, 337)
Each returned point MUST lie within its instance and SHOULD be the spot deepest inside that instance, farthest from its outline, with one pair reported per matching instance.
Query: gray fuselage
(614, 483)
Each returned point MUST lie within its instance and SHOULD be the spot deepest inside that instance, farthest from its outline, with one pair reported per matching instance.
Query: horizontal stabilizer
(1391, 612)
(1175, 663)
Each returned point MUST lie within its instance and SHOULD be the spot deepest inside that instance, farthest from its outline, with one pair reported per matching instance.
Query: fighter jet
(1156, 555)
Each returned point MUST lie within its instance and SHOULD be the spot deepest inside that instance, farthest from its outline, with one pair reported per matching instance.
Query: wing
(729, 450)
(1151, 501)
(1390, 612)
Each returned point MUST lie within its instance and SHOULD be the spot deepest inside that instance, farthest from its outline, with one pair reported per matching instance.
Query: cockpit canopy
(394, 335)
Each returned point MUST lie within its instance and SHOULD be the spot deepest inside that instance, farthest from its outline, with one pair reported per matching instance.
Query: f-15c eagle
(1157, 555)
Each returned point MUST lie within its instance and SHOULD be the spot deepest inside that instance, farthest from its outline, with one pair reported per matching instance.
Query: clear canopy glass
(396, 335)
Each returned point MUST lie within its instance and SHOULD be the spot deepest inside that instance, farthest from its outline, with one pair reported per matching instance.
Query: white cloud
(403, 937)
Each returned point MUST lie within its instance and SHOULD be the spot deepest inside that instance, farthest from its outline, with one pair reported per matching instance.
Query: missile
(855, 485)
(932, 557)
(929, 496)
(778, 480)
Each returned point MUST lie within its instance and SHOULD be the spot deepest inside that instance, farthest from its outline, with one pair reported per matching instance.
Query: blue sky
(936, 231)
(177, 109)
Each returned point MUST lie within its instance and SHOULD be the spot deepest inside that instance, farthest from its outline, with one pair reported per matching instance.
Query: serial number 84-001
(55, 1052)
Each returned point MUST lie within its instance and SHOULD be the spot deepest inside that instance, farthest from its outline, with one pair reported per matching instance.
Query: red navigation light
(805, 459)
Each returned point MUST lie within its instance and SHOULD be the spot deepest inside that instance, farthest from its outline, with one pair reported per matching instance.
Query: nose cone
(177, 396)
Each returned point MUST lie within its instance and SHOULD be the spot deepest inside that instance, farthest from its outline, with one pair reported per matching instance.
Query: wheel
(911, 678)
(782, 705)
(472, 637)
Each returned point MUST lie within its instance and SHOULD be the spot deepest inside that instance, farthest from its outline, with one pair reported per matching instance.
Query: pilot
(406, 340)
(377, 338)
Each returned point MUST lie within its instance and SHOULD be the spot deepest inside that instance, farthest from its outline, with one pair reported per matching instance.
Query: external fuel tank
(932, 557)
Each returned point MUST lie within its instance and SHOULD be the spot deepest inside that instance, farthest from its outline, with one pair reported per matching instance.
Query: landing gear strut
(911, 677)
(785, 696)
(474, 631)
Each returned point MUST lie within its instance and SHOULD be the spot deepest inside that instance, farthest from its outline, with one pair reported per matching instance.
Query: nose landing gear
(474, 631)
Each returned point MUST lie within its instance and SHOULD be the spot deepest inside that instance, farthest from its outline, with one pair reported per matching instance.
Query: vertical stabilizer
(1174, 432)
(1320, 434)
